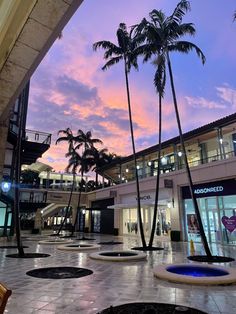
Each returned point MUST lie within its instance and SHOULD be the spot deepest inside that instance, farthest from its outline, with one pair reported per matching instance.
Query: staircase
(52, 209)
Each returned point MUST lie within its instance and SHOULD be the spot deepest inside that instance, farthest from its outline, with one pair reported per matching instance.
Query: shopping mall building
(211, 151)
(27, 32)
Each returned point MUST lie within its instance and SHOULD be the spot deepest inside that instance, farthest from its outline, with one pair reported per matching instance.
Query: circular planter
(212, 259)
(110, 242)
(152, 308)
(85, 239)
(118, 256)
(78, 247)
(196, 274)
(55, 241)
(148, 248)
(28, 255)
(35, 239)
(11, 247)
(59, 272)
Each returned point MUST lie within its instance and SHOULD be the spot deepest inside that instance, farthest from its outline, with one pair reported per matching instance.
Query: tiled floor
(110, 284)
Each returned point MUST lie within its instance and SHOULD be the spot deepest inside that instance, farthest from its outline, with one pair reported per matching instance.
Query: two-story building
(211, 153)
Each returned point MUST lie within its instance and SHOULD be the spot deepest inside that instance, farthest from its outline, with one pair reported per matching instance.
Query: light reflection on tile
(110, 283)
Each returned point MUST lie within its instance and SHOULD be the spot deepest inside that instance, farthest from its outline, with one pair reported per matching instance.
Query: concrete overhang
(28, 29)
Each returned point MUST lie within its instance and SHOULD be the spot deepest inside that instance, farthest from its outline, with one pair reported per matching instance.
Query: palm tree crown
(125, 50)
(163, 34)
(85, 140)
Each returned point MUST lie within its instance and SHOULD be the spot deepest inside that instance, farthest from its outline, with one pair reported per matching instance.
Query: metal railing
(171, 167)
(32, 136)
(38, 137)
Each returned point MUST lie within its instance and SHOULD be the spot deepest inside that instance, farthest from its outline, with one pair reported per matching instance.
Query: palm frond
(61, 139)
(105, 44)
(138, 29)
(123, 37)
(234, 16)
(185, 29)
(157, 16)
(67, 131)
(111, 62)
(181, 9)
(160, 74)
(186, 47)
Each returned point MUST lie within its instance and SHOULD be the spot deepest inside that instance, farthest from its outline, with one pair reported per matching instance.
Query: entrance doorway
(96, 221)
(214, 226)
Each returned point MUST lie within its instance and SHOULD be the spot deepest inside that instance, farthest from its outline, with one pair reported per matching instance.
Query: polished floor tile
(111, 283)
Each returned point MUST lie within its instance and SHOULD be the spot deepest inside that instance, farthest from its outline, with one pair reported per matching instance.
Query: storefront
(129, 215)
(102, 216)
(6, 227)
(217, 204)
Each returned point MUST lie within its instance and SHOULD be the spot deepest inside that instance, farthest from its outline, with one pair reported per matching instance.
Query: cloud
(201, 102)
(227, 94)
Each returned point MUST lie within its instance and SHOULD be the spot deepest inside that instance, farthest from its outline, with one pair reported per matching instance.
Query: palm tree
(163, 36)
(83, 164)
(85, 140)
(126, 51)
(159, 82)
(72, 164)
(100, 159)
(68, 137)
(234, 16)
(29, 177)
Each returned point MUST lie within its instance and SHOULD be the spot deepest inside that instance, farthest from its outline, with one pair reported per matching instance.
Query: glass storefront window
(191, 224)
(218, 218)
(130, 225)
(228, 220)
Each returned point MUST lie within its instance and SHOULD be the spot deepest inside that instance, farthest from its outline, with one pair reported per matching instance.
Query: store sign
(144, 198)
(209, 190)
(217, 188)
(229, 223)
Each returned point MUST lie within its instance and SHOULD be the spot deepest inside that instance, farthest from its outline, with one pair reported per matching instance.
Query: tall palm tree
(83, 164)
(100, 159)
(72, 165)
(159, 82)
(126, 51)
(163, 35)
(69, 138)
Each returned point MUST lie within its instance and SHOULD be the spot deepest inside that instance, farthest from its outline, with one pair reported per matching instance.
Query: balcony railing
(32, 136)
(170, 167)
(37, 137)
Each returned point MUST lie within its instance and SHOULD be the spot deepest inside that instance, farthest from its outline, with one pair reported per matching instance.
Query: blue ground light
(197, 271)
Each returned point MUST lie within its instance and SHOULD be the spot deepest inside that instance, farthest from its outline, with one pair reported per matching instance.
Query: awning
(143, 204)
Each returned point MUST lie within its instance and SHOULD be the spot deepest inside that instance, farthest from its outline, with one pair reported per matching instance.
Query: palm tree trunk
(135, 160)
(195, 204)
(77, 209)
(154, 221)
(68, 205)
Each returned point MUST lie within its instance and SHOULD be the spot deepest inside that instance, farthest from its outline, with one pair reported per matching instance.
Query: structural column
(4, 123)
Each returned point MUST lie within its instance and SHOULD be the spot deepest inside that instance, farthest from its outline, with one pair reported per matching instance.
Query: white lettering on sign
(209, 190)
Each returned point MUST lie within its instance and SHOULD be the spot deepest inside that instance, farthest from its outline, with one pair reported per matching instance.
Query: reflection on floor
(110, 283)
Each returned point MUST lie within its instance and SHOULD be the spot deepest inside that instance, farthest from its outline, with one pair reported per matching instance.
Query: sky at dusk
(69, 89)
